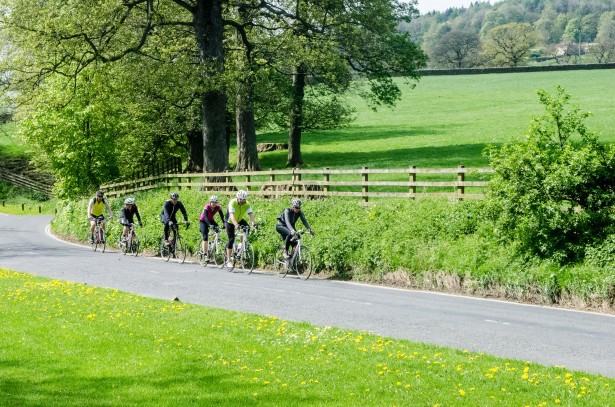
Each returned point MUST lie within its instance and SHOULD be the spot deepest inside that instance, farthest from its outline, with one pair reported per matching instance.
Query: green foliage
(144, 351)
(554, 193)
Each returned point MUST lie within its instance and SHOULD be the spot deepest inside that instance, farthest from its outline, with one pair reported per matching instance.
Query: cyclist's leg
(230, 231)
(285, 233)
(204, 235)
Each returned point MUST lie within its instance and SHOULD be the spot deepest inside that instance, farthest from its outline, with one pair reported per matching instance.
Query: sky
(425, 6)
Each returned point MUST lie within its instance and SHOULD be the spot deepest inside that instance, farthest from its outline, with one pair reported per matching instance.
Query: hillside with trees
(517, 32)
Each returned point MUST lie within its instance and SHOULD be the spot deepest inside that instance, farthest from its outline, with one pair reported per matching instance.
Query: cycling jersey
(127, 215)
(98, 207)
(288, 218)
(208, 214)
(240, 211)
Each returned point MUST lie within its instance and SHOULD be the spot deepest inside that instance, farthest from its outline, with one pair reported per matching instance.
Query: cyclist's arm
(304, 220)
(89, 210)
(109, 209)
(138, 214)
(251, 214)
(166, 212)
(289, 224)
(221, 215)
(182, 208)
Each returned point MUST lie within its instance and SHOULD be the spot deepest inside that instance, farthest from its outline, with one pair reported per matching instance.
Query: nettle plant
(553, 195)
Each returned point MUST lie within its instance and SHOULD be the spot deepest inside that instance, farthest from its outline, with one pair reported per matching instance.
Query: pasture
(447, 121)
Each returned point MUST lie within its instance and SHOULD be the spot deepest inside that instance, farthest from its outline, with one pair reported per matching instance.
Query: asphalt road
(578, 340)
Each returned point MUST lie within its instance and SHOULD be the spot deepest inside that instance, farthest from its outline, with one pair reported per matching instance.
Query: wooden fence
(26, 182)
(365, 183)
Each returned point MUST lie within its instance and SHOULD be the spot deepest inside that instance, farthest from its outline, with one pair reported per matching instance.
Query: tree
(509, 44)
(552, 196)
(330, 37)
(457, 49)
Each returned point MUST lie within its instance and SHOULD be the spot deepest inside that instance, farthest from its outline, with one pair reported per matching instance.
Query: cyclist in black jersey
(169, 212)
(286, 223)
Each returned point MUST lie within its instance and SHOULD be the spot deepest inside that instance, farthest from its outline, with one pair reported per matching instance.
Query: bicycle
(215, 249)
(99, 234)
(242, 252)
(175, 246)
(130, 243)
(299, 262)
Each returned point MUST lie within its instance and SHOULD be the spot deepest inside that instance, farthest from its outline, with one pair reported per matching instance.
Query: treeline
(103, 87)
(517, 32)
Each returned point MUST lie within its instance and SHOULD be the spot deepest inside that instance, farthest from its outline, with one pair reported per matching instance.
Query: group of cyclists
(239, 212)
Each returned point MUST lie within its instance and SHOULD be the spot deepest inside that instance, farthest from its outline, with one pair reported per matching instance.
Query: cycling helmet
(242, 194)
(129, 201)
(99, 193)
(213, 198)
(296, 202)
(174, 195)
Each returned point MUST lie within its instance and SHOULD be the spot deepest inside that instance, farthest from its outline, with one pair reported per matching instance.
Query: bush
(554, 194)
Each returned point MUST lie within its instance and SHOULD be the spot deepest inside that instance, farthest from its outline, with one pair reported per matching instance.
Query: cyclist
(127, 216)
(169, 212)
(207, 221)
(238, 208)
(95, 210)
(286, 223)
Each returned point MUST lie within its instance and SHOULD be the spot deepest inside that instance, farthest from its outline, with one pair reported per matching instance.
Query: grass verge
(74, 345)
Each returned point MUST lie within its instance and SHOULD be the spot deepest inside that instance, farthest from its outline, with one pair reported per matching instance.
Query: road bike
(299, 262)
(130, 243)
(99, 234)
(215, 249)
(242, 253)
(174, 246)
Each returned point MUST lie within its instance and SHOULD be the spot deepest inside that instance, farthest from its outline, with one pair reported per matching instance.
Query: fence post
(412, 178)
(23, 207)
(40, 210)
(227, 180)
(248, 178)
(326, 179)
(364, 188)
(461, 179)
(272, 179)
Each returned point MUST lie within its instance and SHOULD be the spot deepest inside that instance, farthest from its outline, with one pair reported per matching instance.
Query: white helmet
(129, 201)
(241, 194)
(296, 202)
(174, 195)
(213, 198)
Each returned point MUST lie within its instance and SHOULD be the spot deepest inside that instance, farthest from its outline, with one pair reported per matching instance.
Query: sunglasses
(297, 207)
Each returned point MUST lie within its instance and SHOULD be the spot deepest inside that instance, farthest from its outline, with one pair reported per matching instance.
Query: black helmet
(174, 195)
(100, 193)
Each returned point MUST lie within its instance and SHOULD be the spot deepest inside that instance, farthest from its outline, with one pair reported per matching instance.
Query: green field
(75, 345)
(447, 121)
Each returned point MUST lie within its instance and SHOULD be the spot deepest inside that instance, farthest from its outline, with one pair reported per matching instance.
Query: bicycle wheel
(218, 253)
(279, 263)
(124, 245)
(134, 246)
(180, 249)
(103, 240)
(229, 263)
(303, 263)
(165, 251)
(247, 258)
(96, 240)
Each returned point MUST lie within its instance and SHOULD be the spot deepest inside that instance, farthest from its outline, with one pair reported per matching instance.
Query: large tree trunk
(296, 117)
(209, 30)
(195, 151)
(247, 156)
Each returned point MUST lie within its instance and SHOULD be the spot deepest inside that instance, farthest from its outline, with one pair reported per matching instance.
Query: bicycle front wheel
(134, 246)
(165, 251)
(303, 264)
(201, 258)
(279, 262)
(180, 249)
(247, 258)
(103, 241)
(218, 252)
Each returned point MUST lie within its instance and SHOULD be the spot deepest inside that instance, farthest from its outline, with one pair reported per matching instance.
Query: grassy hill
(448, 120)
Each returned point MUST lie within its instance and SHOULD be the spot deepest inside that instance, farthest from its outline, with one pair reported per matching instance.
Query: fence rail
(362, 183)
(26, 182)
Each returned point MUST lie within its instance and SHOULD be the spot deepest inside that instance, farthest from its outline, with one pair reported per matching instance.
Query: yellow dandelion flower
(462, 392)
